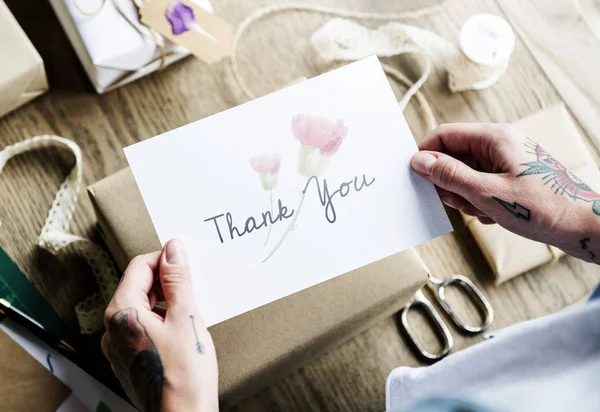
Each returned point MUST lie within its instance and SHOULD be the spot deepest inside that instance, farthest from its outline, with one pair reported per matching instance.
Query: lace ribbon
(55, 236)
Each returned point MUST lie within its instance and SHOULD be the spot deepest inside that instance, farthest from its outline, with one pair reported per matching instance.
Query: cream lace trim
(56, 238)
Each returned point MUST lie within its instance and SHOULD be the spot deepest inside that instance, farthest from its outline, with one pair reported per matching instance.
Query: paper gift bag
(510, 255)
(260, 346)
(22, 74)
(111, 43)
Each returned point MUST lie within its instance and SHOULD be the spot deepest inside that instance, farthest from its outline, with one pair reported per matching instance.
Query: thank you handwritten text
(225, 227)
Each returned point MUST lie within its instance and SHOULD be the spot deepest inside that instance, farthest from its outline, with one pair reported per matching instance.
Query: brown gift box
(22, 75)
(260, 346)
(510, 255)
(25, 385)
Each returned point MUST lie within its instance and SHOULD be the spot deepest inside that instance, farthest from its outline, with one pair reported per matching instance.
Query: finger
(452, 175)
(462, 138)
(152, 299)
(481, 164)
(160, 311)
(104, 345)
(156, 311)
(128, 330)
(135, 285)
(458, 202)
(478, 145)
(486, 220)
(157, 289)
(176, 280)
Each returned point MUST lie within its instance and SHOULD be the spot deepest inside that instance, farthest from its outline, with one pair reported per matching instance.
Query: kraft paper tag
(185, 23)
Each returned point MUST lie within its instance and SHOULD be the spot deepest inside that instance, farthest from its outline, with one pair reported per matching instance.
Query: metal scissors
(437, 287)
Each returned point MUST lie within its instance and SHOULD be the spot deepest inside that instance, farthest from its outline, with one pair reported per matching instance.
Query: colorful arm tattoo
(563, 181)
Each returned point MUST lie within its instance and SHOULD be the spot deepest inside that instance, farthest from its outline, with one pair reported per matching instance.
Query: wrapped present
(112, 44)
(258, 347)
(25, 385)
(510, 255)
(22, 74)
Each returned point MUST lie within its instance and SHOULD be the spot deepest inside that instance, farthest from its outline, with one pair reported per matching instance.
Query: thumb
(450, 174)
(176, 280)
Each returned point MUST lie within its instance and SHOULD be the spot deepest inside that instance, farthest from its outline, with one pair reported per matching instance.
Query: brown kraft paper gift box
(22, 74)
(258, 347)
(25, 385)
(510, 255)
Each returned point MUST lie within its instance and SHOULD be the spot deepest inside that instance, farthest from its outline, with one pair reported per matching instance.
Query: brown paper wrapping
(262, 345)
(25, 385)
(22, 75)
(510, 255)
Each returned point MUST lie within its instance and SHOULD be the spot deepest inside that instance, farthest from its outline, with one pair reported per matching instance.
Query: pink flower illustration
(319, 132)
(319, 139)
(266, 163)
(267, 166)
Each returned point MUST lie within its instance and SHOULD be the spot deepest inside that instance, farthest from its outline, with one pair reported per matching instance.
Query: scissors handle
(421, 301)
(478, 299)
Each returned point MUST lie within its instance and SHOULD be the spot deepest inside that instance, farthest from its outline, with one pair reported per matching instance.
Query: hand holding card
(334, 191)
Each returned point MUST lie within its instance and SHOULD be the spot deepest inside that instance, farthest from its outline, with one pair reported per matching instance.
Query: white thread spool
(487, 39)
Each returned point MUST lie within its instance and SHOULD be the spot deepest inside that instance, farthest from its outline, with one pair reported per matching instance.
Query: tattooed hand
(164, 359)
(497, 174)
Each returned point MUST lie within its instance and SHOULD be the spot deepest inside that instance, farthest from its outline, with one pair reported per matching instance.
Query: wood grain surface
(570, 56)
(275, 53)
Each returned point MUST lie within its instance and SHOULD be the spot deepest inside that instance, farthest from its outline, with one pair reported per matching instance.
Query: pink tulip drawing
(182, 20)
(267, 166)
(320, 138)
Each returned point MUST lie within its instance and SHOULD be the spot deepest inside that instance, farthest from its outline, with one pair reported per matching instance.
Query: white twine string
(395, 39)
(86, 12)
(55, 236)
(287, 7)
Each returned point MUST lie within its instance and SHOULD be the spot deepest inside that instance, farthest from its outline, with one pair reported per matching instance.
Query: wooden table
(557, 57)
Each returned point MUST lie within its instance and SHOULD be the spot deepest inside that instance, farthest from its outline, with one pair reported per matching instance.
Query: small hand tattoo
(563, 181)
(199, 346)
(584, 243)
(135, 360)
(515, 208)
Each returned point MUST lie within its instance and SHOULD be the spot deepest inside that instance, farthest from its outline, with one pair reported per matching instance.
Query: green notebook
(20, 292)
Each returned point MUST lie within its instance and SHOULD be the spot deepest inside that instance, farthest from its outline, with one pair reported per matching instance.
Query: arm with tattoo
(561, 182)
(498, 175)
(135, 360)
(164, 359)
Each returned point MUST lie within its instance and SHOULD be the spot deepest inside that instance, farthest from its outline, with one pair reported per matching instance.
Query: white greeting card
(289, 190)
